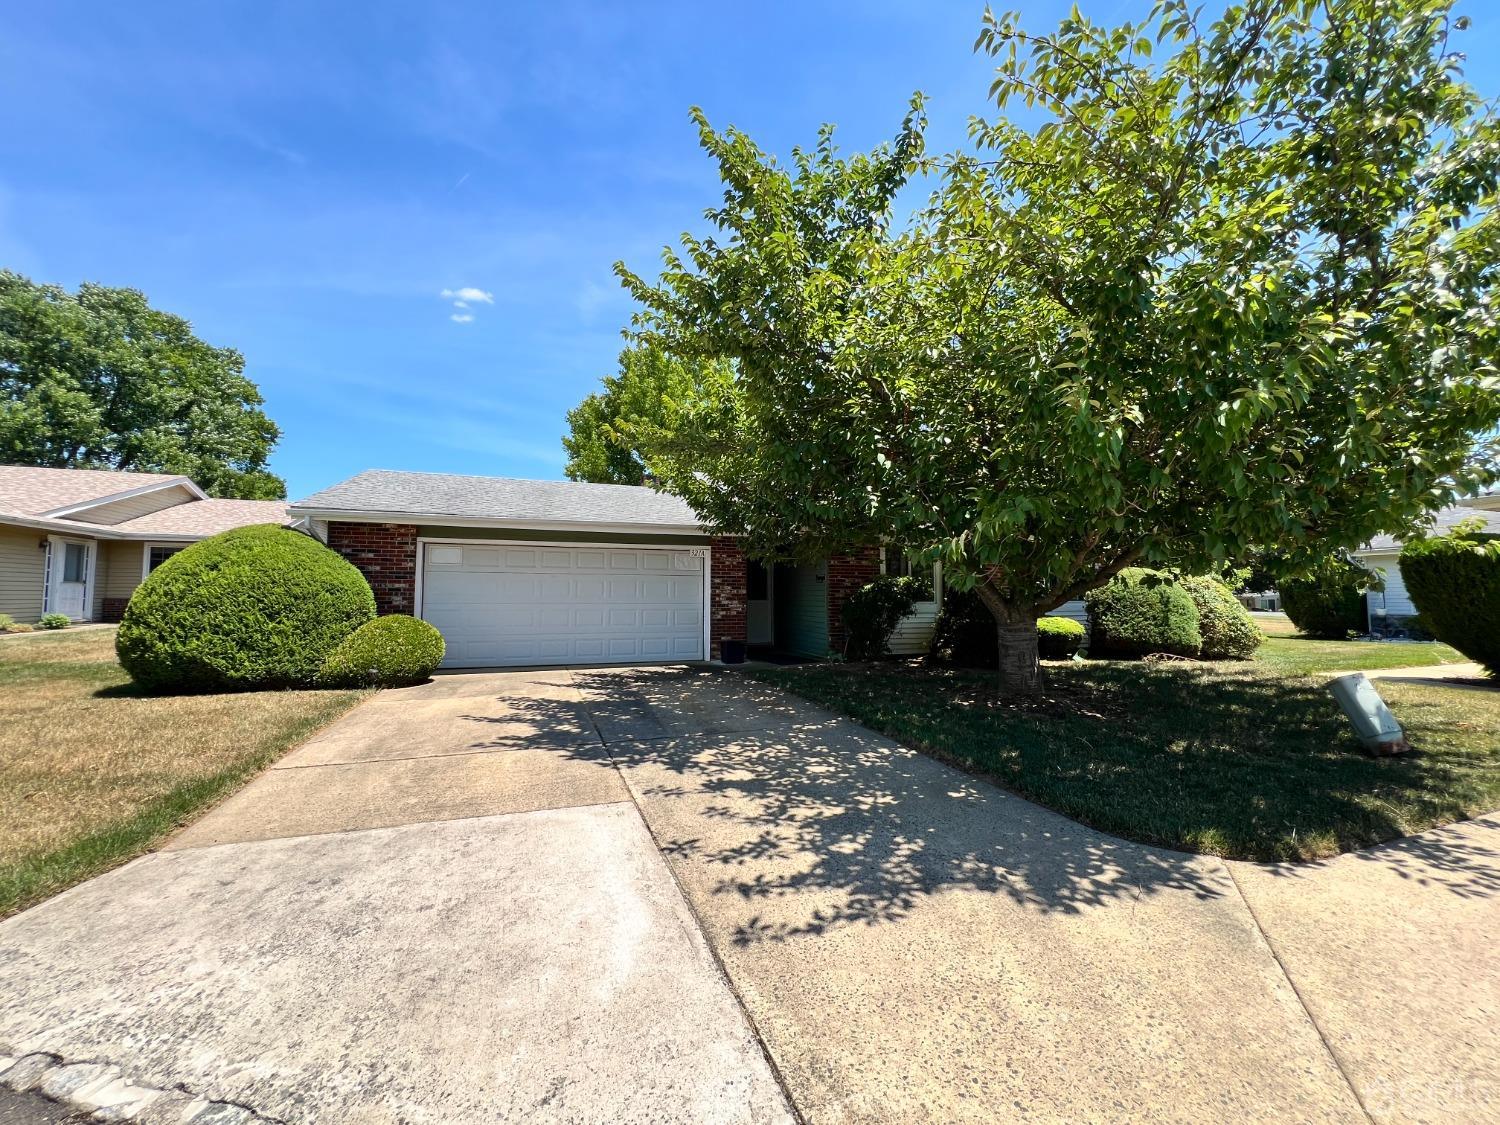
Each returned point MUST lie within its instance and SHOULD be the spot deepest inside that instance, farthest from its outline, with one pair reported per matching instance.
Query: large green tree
(1235, 291)
(99, 379)
(608, 430)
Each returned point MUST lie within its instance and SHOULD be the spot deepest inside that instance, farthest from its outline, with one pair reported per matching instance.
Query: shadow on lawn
(832, 817)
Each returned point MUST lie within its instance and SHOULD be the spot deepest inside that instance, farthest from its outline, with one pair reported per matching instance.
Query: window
(901, 565)
(75, 562)
(757, 581)
(158, 555)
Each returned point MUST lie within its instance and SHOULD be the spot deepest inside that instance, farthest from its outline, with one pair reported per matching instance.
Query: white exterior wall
(1394, 600)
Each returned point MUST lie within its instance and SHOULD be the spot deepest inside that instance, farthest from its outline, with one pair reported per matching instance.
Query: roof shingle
(29, 491)
(439, 495)
(1443, 520)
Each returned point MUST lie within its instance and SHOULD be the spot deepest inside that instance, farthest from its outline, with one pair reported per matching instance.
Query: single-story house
(79, 541)
(1390, 612)
(528, 572)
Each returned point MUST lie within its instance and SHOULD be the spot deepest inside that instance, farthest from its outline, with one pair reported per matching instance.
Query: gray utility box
(1373, 722)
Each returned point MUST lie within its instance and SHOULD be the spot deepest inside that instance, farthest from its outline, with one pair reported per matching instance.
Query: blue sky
(304, 181)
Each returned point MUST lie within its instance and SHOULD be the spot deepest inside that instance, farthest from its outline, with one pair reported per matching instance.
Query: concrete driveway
(455, 904)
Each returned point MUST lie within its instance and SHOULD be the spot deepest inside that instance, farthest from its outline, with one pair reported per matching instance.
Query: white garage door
(504, 604)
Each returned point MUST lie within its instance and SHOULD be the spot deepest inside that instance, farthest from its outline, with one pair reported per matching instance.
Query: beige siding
(134, 506)
(1393, 599)
(120, 569)
(21, 569)
(913, 633)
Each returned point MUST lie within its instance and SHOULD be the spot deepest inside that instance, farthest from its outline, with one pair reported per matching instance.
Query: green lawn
(1301, 655)
(93, 774)
(1228, 759)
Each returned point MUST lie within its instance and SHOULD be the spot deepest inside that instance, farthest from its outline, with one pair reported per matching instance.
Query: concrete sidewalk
(443, 909)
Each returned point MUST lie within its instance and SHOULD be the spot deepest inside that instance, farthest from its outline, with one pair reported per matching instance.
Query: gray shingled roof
(439, 495)
(26, 490)
(207, 517)
(1445, 519)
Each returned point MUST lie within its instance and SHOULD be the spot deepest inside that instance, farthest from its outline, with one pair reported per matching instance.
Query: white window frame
(937, 580)
(704, 552)
(146, 555)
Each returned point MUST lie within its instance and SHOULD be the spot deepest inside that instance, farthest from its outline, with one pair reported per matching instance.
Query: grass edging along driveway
(1233, 760)
(93, 774)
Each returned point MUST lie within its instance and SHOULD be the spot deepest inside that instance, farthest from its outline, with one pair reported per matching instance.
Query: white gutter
(115, 497)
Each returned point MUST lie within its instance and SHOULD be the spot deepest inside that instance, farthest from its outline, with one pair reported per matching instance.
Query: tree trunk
(1020, 671)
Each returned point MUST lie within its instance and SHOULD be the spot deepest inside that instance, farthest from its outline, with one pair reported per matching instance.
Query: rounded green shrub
(964, 634)
(1228, 630)
(1328, 603)
(256, 607)
(1140, 612)
(872, 612)
(54, 621)
(387, 652)
(1454, 581)
(1059, 638)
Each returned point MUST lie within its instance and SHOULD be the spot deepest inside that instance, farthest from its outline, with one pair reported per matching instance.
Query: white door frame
(56, 551)
(704, 552)
(769, 601)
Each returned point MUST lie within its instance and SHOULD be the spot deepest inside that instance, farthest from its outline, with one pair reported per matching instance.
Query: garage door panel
(517, 605)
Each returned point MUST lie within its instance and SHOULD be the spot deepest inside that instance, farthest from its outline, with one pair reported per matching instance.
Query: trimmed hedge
(964, 634)
(1229, 632)
(388, 652)
(1454, 581)
(1139, 613)
(872, 612)
(256, 607)
(1328, 604)
(1059, 638)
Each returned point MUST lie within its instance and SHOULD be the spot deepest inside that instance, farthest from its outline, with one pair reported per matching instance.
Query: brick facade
(113, 609)
(726, 612)
(847, 573)
(386, 554)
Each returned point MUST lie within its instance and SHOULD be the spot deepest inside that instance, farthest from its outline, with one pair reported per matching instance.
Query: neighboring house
(1390, 611)
(79, 541)
(525, 572)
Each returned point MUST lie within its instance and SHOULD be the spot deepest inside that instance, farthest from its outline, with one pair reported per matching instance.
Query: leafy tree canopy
(98, 379)
(1236, 291)
(608, 430)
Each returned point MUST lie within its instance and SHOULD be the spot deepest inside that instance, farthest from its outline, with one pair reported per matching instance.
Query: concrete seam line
(1286, 975)
(718, 962)
(441, 754)
(385, 827)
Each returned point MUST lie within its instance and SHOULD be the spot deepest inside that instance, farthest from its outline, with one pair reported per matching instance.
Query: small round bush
(1328, 603)
(1229, 632)
(872, 613)
(387, 652)
(1058, 638)
(1454, 581)
(54, 621)
(965, 633)
(256, 607)
(1139, 613)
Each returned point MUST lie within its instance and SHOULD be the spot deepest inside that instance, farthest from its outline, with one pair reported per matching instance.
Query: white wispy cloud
(469, 293)
(461, 318)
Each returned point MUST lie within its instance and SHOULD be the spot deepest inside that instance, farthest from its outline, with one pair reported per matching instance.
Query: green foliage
(257, 607)
(872, 612)
(1059, 638)
(607, 430)
(98, 379)
(964, 634)
(1140, 613)
(54, 621)
(6, 621)
(1327, 600)
(1228, 630)
(1223, 298)
(1454, 581)
(388, 652)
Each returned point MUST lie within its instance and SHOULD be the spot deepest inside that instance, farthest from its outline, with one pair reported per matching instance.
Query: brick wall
(113, 609)
(726, 613)
(847, 573)
(386, 554)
